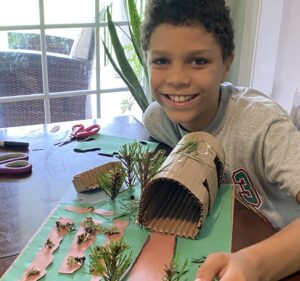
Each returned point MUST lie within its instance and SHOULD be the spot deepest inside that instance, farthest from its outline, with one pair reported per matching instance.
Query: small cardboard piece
(88, 180)
(179, 197)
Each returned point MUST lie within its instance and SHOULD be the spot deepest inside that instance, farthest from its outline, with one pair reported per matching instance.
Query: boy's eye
(199, 61)
(160, 61)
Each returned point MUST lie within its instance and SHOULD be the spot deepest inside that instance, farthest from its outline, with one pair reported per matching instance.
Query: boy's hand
(228, 267)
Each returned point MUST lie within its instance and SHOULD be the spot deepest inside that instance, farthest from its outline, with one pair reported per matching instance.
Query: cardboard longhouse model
(179, 197)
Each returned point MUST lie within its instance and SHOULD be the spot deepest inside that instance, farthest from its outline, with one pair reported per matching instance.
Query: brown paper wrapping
(88, 180)
(179, 197)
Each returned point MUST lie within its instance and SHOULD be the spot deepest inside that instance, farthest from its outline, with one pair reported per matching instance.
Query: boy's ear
(298, 197)
(227, 64)
(228, 61)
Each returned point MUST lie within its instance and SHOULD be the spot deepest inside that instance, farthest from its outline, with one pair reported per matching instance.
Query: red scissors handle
(80, 132)
(76, 129)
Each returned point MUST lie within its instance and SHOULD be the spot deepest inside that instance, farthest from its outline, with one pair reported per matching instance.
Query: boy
(189, 49)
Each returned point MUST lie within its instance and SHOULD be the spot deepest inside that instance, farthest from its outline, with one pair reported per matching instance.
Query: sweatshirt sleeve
(281, 154)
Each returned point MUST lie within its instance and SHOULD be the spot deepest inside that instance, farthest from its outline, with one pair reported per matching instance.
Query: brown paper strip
(154, 257)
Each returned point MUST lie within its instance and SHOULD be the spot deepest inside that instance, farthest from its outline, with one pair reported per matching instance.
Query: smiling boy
(188, 90)
(189, 49)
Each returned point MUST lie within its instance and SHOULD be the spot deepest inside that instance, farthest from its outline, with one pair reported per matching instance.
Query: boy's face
(186, 70)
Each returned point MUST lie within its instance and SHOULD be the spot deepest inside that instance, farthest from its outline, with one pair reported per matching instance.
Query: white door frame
(260, 44)
(249, 41)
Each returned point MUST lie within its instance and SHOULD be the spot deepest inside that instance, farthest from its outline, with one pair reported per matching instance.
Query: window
(52, 64)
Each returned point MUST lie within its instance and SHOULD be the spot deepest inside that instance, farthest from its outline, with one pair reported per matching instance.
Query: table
(26, 201)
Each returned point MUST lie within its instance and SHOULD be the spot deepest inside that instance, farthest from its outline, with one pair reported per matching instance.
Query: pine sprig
(127, 154)
(175, 271)
(148, 165)
(189, 148)
(129, 210)
(110, 261)
(111, 181)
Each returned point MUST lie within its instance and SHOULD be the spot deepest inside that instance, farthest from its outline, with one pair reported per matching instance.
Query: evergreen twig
(148, 165)
(128, 156)
(110, 261)
(175, 271)
(189, 148)
(129, 210)
(111, 181)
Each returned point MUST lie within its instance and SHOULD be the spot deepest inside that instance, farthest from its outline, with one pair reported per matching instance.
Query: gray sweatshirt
(262, 149)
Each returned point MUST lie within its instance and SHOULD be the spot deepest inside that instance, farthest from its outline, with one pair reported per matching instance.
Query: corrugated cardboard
(179, 197)
(88, 180)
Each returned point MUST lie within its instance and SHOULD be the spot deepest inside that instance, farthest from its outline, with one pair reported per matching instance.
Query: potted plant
(137, 86)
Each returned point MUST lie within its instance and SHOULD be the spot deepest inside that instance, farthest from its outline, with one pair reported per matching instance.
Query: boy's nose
(177, 77)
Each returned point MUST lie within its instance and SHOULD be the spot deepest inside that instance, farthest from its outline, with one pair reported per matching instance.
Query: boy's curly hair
(213, 15)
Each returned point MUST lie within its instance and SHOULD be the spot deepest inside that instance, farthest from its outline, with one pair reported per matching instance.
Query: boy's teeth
(180, 98)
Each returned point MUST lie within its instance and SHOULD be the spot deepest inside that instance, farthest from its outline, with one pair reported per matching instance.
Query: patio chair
(21, 74)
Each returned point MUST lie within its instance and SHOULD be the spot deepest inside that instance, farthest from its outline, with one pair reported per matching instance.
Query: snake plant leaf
(136, 89)
(137, 49)
(130, 87)
(135, 33)
(135, 22)
(139, 54)
(115, 66)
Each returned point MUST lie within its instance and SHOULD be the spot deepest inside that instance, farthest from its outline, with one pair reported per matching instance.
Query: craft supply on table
(14, 144)
(215, 236)
(215, 233)
(88, 180)
(14, 163)
(108, 145)
(55, 129)
(79, 132)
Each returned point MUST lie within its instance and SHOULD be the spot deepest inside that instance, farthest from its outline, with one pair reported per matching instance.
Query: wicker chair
(21, 74)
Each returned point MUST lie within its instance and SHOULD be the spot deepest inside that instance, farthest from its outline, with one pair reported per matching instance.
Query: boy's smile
(186, 70)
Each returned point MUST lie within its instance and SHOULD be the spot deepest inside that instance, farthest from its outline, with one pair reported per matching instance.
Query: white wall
(287, 71)
(269, 51)
(267, 44)
(276, 56)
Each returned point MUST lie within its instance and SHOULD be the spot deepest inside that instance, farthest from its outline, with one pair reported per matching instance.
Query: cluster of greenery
(110, 261)
(111, 181)
(113, 261)
(138, 163)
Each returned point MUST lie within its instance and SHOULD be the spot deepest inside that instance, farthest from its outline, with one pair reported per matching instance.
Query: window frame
(46, 95)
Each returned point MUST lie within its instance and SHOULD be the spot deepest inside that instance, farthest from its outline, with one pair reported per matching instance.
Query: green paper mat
(214, 236)
(108, 145)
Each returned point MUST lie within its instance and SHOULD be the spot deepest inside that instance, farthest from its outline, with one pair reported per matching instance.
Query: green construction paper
(215, 235)
(108, 145)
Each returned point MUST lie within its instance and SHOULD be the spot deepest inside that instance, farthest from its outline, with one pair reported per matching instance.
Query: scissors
(79, 132)
(14, 163)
